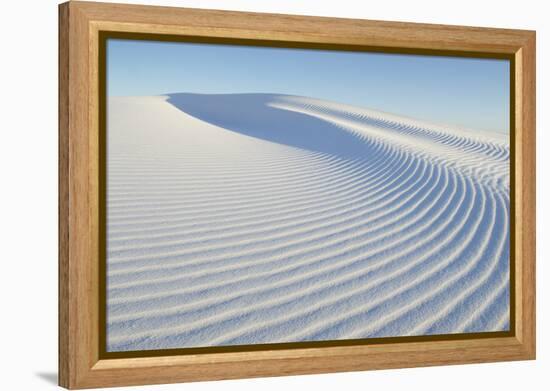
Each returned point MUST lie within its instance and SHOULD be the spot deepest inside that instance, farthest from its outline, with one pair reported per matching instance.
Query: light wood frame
(80, 24)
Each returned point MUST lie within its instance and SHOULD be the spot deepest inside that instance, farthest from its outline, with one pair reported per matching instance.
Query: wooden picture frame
(81, 25)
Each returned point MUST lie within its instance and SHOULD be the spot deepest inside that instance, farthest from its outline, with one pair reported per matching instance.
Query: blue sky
(467, 92)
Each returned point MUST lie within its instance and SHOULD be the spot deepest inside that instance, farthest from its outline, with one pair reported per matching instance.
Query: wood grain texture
(77, 281)
(80, 23)
(527, 216)
(63, 201)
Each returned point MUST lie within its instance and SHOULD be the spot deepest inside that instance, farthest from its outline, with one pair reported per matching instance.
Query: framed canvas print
(251, 195)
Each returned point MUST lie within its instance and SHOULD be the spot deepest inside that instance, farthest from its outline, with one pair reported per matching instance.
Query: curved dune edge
(261, 218)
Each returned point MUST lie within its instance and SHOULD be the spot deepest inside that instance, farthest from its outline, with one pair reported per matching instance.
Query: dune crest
(262, 218)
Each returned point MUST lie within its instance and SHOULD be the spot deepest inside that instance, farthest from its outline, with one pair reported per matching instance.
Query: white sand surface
(260, 218)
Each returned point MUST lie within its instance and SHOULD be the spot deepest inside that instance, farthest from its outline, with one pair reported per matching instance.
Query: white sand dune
(260, 218)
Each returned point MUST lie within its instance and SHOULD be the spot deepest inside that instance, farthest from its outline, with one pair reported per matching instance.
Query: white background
(28, 194)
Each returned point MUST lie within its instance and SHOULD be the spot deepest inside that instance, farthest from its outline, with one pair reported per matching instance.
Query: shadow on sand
(252, 115)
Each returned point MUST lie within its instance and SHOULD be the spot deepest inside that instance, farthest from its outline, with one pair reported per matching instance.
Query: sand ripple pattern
(260, 218)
